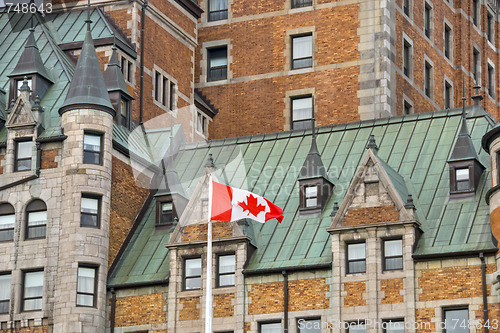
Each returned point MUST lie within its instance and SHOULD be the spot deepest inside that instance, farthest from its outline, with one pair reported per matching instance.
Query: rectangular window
(475, 64)
(125, 113)
(32, 291)
(302, 112)
(406, 7)
(157, 86)
(407, 108)
(406, 58)
(4, 292)
(171, 105)
(192, 273)
(7, 223)
(19, 84)
(394, 326)
(90, 211)
(92, 148)
(491, 81)
(270, 327)
(428, 79)
(302, 51)
(166, 213)
(23, 155)
(356, 258)
(427, 20)
(356, 327)
(86, 292)
(462, 179)
(126, 68)
(490, 27)
(226, 270)
(447, 41)
(301, 3)
(393, 254)
(164, 91)
(37, 222)
(447, 95)
(456, 320)
(311, 196)
(217, 10)
(201, 124)
(309, 325)
(217, 63)
(475, 12)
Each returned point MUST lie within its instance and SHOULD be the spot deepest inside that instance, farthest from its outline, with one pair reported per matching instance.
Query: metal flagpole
(208, 303)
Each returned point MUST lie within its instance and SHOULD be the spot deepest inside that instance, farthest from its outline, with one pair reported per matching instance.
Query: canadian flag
(232, 204)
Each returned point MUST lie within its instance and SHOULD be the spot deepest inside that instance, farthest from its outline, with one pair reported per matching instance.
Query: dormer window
(462, 180)
(23, 153)
(165, 210)
(311, 196)
(125, 112)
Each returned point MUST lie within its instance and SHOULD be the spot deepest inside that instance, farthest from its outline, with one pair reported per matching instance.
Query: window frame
(184, 275)
(217, 270)
(7, 300)
(38, 208)
(476, 65)
(448, 41)
(224, 12)
(266, 322)
(428, 79)
(160, 200)
(359, 322)
(407, 104)
(97, 197)
(476, 13)
(491, 80)
(395, 320)
(490, 27)
(171, 100)
(428, 19)
(23, 291)
(15, 88)
(445, 309)
(211, 77)
(6, 209)
(300, 3)
(292, 59)
(16, 154)
(96, 285)
(100, 153)
(384, 257)
(292, 121)
(407, 8)
(448, 94)
(407, 58)
(125, 120)
(347, 261)
(204, 124)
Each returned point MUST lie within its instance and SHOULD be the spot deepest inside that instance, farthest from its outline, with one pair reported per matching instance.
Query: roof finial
(313, 120)
(11, 106)
(409, 202)
(36, 105)
(88, 21)
(210, 162)
(25, 86)
(463, 96)
(335, 209)
(372, 144)
(477, 98)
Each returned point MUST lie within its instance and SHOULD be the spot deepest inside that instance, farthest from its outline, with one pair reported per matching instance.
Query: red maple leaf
(252, 206)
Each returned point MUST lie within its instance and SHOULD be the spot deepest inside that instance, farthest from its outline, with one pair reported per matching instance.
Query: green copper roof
(413, 151)
(113, 76)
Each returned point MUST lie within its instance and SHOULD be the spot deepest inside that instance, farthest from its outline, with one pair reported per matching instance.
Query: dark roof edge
(446, 255)
(58, 138)
(287, 269)
(138, 284)
(191, 7)
(490, 193)
(101, 42)
(79, 106)
(137, 221)
(488, 137)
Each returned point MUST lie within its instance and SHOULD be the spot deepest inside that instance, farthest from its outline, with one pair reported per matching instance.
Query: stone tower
(87, 119)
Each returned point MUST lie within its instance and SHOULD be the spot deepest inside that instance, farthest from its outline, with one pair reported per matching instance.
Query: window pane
(227, 264)
(311, 191)
(312, 202)
(456, 321)
(462, 174)
(393, 263)
(395, 327)
(393, 248)
(7, 221)
(193, 267)
(86, 278)
(302, 47)
(90, 205)
(24, 149)
(37, 218)
(4, 287)
(270, 328)
(193, 283)
(309, 326)
(218, 57)
(32, 304)
(20, 83)
(85, 300)
(356, 251)
(302, 108)
(218, 5)
(166, 207)
(227, 280)
(357, 267)
(92, 142)
(357, 328)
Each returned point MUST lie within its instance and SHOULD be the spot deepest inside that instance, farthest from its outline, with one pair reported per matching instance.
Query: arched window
(36, 219)
(7, 222)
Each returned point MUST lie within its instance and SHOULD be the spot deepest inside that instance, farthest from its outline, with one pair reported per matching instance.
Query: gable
(21, 115)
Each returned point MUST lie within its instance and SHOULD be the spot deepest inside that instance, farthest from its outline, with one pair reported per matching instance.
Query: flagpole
(208, 303)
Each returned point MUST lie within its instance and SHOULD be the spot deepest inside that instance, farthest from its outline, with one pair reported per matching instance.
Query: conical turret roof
(87, 89)
(113, 76)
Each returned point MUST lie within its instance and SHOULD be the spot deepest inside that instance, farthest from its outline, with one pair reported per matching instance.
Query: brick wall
(392, 291)
(354, 293)
(307, 294)
(38, 329)
(425, 316)
(224, 305)
(198, 232)
(127, 199)
(49, 158)
(190, 308)
(452, 282)
(357, 216)
(140, 310)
